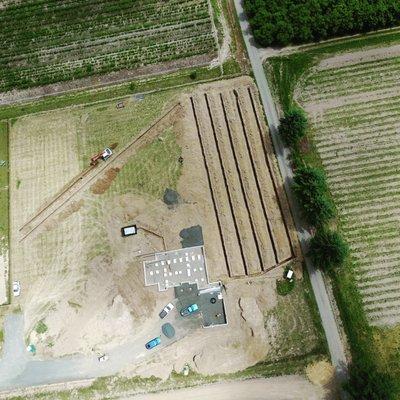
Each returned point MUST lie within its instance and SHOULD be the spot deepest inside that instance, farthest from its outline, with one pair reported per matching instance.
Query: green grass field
(153, 169)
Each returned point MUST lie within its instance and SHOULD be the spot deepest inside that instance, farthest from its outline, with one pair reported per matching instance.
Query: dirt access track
(210, 145)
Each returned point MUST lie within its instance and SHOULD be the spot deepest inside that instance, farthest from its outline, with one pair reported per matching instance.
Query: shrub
(367, 383)
(293, 126)
(41, 327)
(328, 249)
(193, 75)
(132, 86)
(284, 286)
(312, 192)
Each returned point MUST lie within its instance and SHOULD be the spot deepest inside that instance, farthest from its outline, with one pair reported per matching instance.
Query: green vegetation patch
(294, 324)
(155, 168)
(100, 126)
(284, 286)
(41, 327)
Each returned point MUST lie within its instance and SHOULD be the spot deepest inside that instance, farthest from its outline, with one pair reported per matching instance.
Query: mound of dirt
(102, 184)
(320, 373)
(171, 197)
(192, 236)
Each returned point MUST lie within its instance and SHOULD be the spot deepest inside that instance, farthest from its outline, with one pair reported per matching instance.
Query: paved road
(329, 323)
(280, 388)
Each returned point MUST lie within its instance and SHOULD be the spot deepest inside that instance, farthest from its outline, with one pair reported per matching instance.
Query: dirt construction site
(198, 160)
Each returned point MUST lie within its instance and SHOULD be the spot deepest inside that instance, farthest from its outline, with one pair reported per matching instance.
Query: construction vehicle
(103, 155)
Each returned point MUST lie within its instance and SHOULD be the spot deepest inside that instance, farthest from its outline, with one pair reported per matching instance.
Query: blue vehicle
(153, 343)
(185, 312)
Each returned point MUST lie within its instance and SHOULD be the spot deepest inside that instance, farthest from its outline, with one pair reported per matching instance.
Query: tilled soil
(244, 184)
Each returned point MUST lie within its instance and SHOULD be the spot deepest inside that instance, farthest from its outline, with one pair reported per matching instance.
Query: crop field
(353, 102)
(54, 41)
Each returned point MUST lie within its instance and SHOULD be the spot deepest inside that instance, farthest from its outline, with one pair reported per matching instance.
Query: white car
(16, 288)
(169, 307)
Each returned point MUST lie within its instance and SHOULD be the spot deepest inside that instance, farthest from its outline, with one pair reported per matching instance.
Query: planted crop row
(43, 42)
(358, 142)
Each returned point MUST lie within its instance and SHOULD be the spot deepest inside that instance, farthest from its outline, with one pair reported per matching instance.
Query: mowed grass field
(53, 41)
(354, 108)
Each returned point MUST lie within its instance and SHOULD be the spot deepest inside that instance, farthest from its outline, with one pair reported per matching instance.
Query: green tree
(280, 22)
(328, 249)
(293, 126)
(310, 188)
(367, 383)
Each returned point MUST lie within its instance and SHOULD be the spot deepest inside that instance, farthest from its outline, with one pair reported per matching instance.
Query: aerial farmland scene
(199, 199)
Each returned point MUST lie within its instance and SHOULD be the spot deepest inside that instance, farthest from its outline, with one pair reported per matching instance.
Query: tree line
(329, 251)
(281, 22)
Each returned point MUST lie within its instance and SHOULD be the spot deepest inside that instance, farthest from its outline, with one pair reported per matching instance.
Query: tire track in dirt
(249, 182)
(222, 138)
(229, 233)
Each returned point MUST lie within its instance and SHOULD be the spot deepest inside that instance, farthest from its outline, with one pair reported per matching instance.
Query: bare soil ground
(77, 267)
(248, 205)
(281, 388)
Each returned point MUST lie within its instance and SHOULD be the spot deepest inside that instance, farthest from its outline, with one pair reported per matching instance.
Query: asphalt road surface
(329, 322)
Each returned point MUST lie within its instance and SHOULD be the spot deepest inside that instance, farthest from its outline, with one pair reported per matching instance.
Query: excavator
(103, 155)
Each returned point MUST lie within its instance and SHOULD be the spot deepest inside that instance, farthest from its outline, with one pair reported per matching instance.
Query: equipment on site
(129, 230)
(16, 288)
(289, 275)
(103, 155)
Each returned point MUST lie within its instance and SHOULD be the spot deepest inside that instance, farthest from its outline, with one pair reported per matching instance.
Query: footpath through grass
(370, 346)
(3, 187)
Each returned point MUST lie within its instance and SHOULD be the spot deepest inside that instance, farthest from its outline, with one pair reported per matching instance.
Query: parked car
(153, 343)
(129, 230)
(16, 288)
(169, 307)
(189, 310)
(103, 358)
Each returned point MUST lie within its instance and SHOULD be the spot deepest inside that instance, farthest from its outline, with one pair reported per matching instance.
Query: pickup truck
(165, 311)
